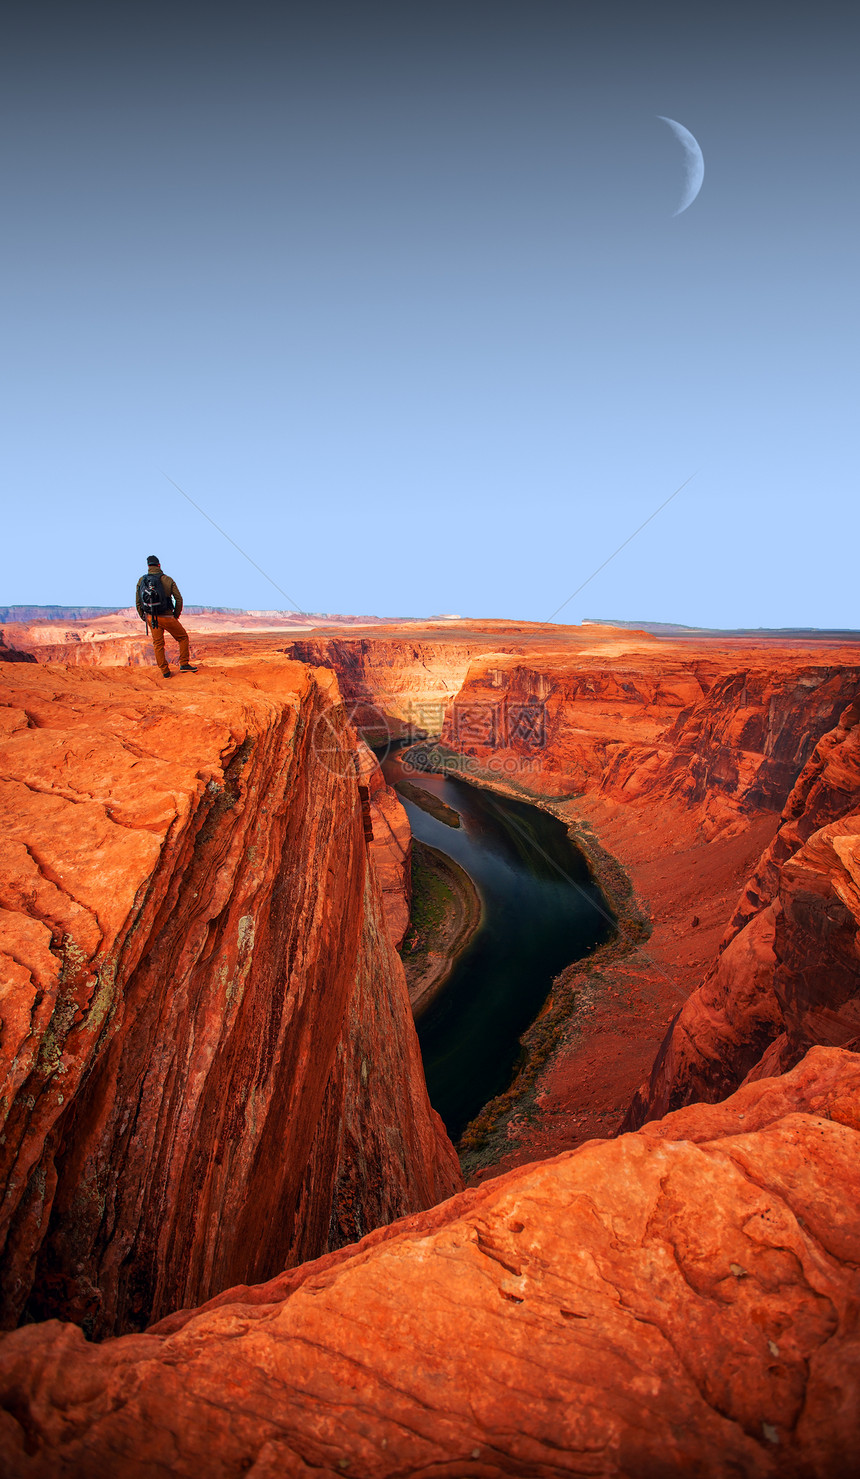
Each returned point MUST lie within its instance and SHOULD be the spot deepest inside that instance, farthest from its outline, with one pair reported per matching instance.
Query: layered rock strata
(679, 1301)
(788, 971)
(209, 1066)
(394, 684)
(724, 734)
(12, 654)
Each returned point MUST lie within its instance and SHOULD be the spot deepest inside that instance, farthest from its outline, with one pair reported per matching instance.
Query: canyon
(219, 1161)
(670, 757)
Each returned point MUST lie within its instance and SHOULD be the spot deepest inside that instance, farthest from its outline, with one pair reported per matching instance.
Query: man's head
(153, 562)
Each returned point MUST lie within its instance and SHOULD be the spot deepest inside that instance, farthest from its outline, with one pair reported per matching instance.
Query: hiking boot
(186, 667)
(166, 673)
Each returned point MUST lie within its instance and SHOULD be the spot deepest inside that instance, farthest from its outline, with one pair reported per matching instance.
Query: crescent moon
(694, 164)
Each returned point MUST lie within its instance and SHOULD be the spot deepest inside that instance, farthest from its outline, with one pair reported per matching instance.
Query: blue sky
(395, 292)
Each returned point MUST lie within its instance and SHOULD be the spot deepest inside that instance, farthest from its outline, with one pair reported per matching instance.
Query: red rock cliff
(209, 1065)
(788, 972)
(390, 844)
(726, 733)
(392, 680)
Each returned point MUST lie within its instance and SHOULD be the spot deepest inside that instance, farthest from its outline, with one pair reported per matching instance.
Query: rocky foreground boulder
(680, 1301)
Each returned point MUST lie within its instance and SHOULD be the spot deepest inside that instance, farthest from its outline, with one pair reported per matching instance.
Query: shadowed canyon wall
(788, 972)
(210, 1070)
(390, 837)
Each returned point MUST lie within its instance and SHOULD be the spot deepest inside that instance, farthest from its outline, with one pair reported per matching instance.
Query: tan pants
(177, 630)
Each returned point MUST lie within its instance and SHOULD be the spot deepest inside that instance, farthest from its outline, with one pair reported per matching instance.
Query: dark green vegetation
(432, 901)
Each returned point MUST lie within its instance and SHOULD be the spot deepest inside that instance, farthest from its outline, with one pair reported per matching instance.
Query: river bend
(541, 910)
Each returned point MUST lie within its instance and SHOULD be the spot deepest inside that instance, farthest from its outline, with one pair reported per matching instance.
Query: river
(541, 911)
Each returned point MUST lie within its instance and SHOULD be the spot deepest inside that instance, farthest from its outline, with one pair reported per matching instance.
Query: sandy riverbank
(446, 912)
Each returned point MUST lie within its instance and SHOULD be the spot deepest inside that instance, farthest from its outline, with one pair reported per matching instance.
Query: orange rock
(727, 737)
(680, 1301)
(391, 846)
(788, 974)
(210, 1066)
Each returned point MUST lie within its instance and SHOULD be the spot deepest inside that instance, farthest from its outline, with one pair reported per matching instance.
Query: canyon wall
(13, 654)
(394, 683)
(788, 971)
(209, 1066)
(724, 733)
(721, 728)
(115, 638)
(704, 1322)
(390, 839)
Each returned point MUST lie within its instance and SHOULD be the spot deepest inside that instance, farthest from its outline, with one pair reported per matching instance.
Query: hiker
(159, 603)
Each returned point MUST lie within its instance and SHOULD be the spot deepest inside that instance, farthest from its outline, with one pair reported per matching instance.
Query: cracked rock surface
(680, 1301)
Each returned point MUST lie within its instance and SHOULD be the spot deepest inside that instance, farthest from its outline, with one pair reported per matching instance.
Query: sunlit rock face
(212, 1084)
(722, 729)
(788, 974)
(679, 1301)
(724, 733)
(208, 1061)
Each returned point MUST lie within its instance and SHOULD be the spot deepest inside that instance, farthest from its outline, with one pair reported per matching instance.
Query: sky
(395, 293)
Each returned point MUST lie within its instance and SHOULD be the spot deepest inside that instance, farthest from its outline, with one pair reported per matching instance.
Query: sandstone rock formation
(679, 1301)
(788, 974)
(12, 654)
(725, 733)
(209, 1068)
(395, 683)
(391, 845)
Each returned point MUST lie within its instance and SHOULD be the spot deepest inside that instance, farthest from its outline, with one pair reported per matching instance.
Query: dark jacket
(170, 588)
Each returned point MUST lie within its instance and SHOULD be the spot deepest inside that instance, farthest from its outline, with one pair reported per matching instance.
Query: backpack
(152, 597)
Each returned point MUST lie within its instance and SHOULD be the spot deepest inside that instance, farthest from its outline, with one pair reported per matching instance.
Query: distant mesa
(27, 614)
(676, 629)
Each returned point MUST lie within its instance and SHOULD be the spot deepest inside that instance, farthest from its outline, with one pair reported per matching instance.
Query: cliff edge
(209, 1067)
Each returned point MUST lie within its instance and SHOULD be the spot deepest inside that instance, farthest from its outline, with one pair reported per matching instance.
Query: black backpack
(152, 597)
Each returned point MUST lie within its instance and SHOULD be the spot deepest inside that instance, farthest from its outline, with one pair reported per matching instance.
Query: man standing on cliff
(159, 603)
